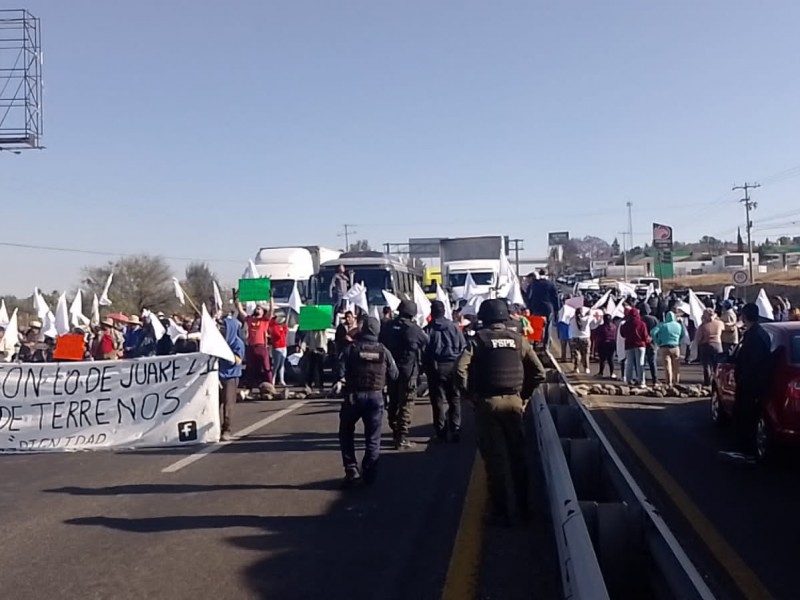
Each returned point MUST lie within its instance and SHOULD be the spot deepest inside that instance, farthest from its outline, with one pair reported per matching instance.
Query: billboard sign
(662, 236)
(557, 238)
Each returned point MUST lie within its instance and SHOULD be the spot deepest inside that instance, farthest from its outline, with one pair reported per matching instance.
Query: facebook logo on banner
(187, 431)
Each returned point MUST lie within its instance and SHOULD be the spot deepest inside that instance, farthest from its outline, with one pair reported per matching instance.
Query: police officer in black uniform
(500, 371)
(367, 365)
(405, 340)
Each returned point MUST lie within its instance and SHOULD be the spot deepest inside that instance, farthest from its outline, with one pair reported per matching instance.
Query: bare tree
(199, 284)
(139, 282)
(359, 246)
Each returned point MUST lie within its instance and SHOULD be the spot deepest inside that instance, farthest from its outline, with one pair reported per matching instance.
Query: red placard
(71, 346)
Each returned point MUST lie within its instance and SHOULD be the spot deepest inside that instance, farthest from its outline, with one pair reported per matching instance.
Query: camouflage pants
(402, 394)
(501, 441)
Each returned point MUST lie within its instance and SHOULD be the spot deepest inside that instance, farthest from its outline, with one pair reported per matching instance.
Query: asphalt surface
(752, 547)
(263, 517)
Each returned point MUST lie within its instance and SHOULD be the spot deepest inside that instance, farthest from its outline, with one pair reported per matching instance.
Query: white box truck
(479, 256)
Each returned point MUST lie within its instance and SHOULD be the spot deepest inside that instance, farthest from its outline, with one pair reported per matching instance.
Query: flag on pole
(62, 315)
(211, 340)
(441, 296)
(104, 301)
(295, 301)
(12, 330)
(602, 301)
(357, 296)
(423, 305)
(95, 320)
(696, 309)
(179, 294)
(4, 320)
(39, 304)
(77, 317)
(765, 309)
(470, 288)
(217, 297)
(158, 328)
(392, 300)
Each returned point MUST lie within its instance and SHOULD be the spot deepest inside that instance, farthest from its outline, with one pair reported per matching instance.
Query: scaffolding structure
(20, 80)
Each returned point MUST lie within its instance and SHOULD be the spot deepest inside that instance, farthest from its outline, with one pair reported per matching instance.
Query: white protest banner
(160, 401)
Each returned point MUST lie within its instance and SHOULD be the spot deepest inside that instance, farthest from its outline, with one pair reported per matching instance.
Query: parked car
(779, 412)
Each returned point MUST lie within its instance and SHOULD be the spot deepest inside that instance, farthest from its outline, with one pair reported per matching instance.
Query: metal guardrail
(580, 570)
(603, 546)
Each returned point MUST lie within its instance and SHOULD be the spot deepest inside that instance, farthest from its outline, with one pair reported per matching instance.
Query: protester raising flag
(104, 301)
(211, 340)
(179, 293)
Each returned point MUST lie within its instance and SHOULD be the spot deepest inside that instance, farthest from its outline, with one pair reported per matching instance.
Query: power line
(108, 253)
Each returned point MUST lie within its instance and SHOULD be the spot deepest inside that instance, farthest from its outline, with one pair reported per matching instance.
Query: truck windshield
(479, 277)
(282, 288)
(375, 278)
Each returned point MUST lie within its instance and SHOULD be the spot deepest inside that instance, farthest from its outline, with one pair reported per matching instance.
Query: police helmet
(407, 309)
(493, 311)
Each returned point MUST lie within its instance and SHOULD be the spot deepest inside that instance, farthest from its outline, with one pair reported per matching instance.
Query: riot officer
(367, 366)
(500, 371)
(405, 340)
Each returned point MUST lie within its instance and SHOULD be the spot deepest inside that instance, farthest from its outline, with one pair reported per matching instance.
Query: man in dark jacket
(650, 352)
(752, 373)
(405, 340)
(368, 366)
(541, 297)
(445, 346)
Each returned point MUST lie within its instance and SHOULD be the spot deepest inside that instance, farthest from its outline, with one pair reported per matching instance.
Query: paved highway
(740, 523)
(262, 517)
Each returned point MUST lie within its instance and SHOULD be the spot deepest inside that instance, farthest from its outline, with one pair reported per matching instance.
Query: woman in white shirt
(579, 335)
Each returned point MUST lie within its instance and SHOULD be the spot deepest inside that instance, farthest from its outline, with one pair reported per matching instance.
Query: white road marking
(206, 450)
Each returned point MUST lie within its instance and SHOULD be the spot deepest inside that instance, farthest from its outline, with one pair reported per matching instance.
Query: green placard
(315, 318)
(254, 290)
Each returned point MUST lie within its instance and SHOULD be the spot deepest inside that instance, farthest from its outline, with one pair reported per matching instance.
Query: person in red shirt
(256, 358)
(104, 347)
(278, 330)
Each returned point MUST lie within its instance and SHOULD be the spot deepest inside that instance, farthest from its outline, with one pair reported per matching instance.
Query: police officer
(405, 340)
(498, 371)
(368, 365)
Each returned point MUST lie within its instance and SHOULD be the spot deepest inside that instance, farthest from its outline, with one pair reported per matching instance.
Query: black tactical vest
(367, 370)
(496, 367)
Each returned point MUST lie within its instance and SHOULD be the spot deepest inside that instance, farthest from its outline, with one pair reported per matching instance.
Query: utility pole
(347, 233)
(517, 247)
(629, 204)
(748, 206)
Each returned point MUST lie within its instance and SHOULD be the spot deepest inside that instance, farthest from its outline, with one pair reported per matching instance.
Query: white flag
(49, 326)
(39, 304)
(4, 320)
(626, 289)
(473, 305)
(155, 323)
(441, 296)
(726, 292)
(12, 330)
(252, 271)
(392, 300)
(515, 294)
(95, 320)
(764, 306)
(211, 340)
(179, 291)
(175, 331)
(76, 315)
(104, 301)
(357, 296)
(696, 309)
(295, 301)
(469, 288)
(217, 297)
(62, 315)
(651, 291)
(423, 305)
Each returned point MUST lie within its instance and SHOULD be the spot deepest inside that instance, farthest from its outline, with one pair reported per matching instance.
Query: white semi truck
(286, 266)
(478, 256)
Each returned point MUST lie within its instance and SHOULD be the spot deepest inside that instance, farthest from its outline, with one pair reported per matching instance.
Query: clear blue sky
(208, 129)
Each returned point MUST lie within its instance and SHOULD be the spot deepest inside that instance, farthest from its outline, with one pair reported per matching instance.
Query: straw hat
(134, 320)
(107, 322)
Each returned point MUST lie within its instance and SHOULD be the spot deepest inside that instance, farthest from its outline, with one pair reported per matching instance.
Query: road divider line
(211, 448)
(745, 579)
(461, 582)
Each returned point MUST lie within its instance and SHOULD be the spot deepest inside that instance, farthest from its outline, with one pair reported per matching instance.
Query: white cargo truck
(478, 256)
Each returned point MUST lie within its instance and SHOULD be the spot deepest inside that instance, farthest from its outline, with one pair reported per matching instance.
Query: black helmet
(407, 309)
(493, 311)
